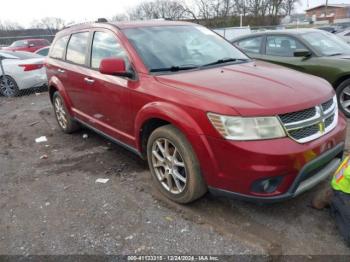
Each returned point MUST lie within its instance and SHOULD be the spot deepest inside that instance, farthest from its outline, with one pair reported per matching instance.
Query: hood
(254, 88)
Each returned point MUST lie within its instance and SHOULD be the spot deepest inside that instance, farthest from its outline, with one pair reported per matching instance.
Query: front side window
(180, 46)
(327, 44)
(57, 51)
(105, 45)
(251, 45)
(77, 48)
(282, 46)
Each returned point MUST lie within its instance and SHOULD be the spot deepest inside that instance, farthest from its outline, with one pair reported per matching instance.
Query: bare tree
(52, 24)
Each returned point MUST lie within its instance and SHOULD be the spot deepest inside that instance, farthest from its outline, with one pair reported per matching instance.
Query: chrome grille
(309, 124)
(298, 116)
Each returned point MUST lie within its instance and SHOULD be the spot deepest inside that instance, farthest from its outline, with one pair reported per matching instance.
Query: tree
(52, 24)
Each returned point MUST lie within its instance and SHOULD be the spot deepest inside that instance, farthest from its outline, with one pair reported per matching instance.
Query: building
(332, 13)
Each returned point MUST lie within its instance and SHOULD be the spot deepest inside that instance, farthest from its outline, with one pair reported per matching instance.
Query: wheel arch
(340, 80)
(158, 114)
(56, 85)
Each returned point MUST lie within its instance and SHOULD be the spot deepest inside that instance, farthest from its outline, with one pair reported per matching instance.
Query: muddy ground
(54, 205)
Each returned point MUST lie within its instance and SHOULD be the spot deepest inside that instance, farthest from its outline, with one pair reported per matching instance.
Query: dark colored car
(202, 113)
(28, 45)
(307, 50)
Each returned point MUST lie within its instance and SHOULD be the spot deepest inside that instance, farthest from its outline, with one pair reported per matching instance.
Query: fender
(168, 112)
(56, 83)
(186, 124)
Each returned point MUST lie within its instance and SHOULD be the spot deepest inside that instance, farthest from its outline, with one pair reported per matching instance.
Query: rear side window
(58, 48)
(105, 45)
(250, 45)
(77, 48)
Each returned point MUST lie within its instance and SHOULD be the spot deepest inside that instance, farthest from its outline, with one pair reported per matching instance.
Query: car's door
(279, 49)
(110, 93)
(77, 80)
(252, 46)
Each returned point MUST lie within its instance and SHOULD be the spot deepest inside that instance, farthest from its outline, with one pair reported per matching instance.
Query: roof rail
(102, 20)
(99, 20)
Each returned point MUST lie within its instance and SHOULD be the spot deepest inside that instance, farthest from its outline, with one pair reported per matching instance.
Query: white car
(23, 70)
(345, 35)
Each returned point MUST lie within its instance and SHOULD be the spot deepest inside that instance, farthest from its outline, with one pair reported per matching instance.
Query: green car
(311, 51)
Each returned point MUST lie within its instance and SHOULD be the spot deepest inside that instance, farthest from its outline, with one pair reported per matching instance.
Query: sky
(24, 12)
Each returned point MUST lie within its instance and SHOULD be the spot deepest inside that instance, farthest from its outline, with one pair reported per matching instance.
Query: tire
(165, 168)
(343, 96)
(9, 90)
(64, 119)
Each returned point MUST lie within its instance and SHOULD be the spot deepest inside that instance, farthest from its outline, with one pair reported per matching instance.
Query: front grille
(298, 116)
(327, 105)
(311, 123)
(329, 121)
(304, 132)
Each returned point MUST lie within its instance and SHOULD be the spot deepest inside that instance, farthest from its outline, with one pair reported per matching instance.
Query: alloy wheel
(7, 86)
(344, 99)
(169, 166)
(60, 112)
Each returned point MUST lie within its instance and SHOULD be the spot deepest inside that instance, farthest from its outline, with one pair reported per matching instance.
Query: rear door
(77, 80)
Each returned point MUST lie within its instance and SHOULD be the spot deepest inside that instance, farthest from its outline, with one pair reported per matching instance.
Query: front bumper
(328, 162)
(232, 168)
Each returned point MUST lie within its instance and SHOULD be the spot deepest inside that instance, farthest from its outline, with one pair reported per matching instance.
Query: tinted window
(43, 52)
(58, 48)
(77, 47)
(251, 45)
(282, 46)
(105, 45)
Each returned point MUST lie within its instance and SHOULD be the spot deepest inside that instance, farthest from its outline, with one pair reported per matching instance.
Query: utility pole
(326, 9)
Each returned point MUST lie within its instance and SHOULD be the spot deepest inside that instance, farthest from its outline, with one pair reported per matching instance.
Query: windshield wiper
(173, 68)
(335, 54)
(225, 60)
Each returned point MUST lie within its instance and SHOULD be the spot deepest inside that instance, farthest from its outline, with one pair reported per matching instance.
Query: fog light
(268, 185)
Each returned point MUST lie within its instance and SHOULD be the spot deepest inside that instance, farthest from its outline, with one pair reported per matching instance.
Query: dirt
(51, 204)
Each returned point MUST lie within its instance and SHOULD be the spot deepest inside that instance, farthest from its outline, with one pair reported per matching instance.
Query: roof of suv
(128, 24)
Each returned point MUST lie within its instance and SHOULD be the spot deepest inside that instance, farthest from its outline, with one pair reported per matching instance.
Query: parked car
(202, 113)
(330, 29)
(28, 45)
(345, 34)
(23, 70)
(43, 51)
(307, 50)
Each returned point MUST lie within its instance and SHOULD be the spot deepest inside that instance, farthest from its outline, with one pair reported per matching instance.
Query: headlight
(247, 128)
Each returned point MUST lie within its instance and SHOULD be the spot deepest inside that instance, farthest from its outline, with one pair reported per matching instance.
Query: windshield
(327, 44)
(21, 43)
(181, 47)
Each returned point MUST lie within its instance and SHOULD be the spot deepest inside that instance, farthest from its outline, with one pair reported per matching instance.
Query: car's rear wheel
(64, 120)
(174, 166)
(8, 87)
(343, 94)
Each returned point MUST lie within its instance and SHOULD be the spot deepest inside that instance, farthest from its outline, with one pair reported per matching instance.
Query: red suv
(204, 115)
(28, 45)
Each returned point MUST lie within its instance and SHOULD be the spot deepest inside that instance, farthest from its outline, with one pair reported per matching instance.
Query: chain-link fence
(22, 72)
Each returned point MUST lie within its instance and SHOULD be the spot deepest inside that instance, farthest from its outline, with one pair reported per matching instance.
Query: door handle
(89, 80)
(59, 70)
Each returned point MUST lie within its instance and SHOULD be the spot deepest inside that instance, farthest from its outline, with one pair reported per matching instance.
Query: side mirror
(114, 66)
(302, 53)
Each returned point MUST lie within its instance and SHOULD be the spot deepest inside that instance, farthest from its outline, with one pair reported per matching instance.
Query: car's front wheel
(174, 166)
(64, 120)
(343, 94)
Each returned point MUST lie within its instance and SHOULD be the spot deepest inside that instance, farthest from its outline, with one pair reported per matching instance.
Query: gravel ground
(54, 206)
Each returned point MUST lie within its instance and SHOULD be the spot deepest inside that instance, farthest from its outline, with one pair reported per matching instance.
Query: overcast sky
(24, 12)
